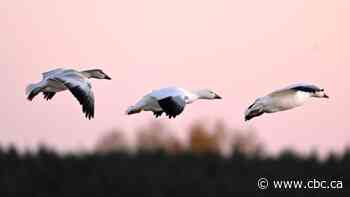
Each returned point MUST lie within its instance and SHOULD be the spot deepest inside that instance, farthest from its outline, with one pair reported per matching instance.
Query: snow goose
(171, 101)
(284, 99)
(76, 82)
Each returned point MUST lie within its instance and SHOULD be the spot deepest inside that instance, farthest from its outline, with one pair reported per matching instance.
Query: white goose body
(77, 82)
(284, 99)
(171, 101)
(285, 102)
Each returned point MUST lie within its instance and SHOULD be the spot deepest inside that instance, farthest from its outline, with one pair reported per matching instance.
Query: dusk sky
(240, 49)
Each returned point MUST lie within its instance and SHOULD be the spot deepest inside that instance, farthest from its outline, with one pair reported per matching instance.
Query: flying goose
(76, 82)
(171, 101)
(284, 99)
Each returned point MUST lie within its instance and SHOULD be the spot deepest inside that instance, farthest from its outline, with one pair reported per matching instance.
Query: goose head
(320, 94)
(207, 94)
(97, 74)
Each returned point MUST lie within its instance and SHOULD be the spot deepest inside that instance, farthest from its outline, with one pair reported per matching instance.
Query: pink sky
(240, 49)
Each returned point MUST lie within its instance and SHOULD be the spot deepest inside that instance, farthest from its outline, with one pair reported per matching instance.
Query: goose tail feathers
(133, 110)
(32, 90)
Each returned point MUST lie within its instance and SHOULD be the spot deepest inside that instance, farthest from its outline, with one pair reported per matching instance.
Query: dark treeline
(47, 174)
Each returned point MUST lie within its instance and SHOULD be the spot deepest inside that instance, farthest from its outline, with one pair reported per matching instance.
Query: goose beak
(107, 77)
(217, 97)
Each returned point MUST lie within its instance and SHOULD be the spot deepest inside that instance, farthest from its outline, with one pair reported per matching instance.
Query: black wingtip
(157, 114)
(84, 100)
(49, 95)
(171, 116)
(33, 94)
(89, 113)
(172, 106)
(30, 97)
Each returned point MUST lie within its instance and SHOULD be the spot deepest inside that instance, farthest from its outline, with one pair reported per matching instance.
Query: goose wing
(305, 88)
(49, 95)
(282, 93)
(172, 105)
(52, 72)
(80, 87)
(171, 100)
(166, 92)
(292, 89)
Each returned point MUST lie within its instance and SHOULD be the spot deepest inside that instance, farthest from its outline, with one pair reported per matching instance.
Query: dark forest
(156, 173)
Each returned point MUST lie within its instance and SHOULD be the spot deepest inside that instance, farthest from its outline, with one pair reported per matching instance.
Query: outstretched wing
(167, 92)
(52, 72)
(172, 106)
(306, 88)
(292, 89)
(81, 90)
